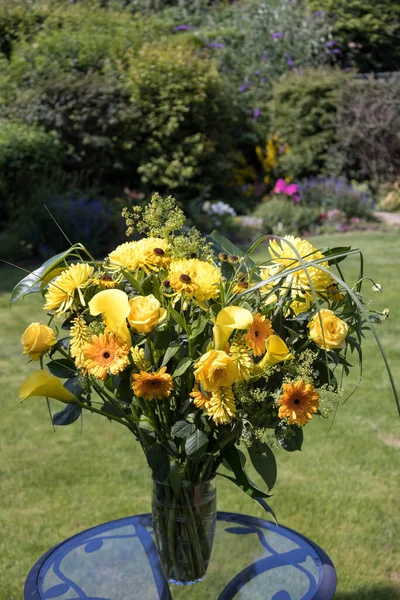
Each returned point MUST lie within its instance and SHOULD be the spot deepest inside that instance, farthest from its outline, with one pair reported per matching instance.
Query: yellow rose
(214, 370)
(37, 339)
(327, 330)
(146, 313)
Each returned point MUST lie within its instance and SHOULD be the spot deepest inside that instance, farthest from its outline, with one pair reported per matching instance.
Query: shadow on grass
(10, 276)
(376, 593)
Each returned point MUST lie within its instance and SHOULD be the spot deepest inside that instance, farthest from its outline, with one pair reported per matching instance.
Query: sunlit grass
(342, 490)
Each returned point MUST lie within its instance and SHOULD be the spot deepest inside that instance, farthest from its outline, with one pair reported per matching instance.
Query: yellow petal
(228, 319)
(41, 383)
(114, 306)
(277, 352)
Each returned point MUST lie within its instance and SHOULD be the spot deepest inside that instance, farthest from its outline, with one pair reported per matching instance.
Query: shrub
(328, 193)
(372, 27)
(21, 19)
(282, 217)
(28, 156)
(368, 123)
(303, 112)
(96, 124)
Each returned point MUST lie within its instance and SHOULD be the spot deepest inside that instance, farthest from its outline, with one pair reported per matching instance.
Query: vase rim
(188, 486)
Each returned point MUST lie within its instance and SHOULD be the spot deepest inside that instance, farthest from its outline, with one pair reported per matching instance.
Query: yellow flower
(228, 319)
(139, 360)
(104, 354)
(147, 254)
(105, 281)
(146, 313)
(215, 369)
(222, 408)
(298, 401)
(41, 383)
(60, 295)
(327, 330)
(37, 339)
(301, 302)
(200, 400)
(258, 333)
(266, 273)
(152, 385)
(277, 352)
(241, 286)
(196, 278)
(284, 255)
(242, 358)
(80, 335)
(114, 306)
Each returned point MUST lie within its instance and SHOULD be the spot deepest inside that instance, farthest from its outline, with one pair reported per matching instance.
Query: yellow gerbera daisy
(221, 407)
(196, 278)
(200, 400)
(105, 353)
(258, 333)
(285, 256)
(152, 385)
(60, 295)
(298, 401)
(80, 336)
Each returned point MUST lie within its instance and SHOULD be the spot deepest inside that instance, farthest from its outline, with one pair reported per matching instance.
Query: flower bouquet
(203, 354)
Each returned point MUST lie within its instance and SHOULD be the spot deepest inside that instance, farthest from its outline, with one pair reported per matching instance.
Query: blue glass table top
(252, 559)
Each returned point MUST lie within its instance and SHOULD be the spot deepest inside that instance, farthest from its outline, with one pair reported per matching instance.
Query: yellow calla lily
(228, 319)
(41, 383)
(277, 352)
(114, 306)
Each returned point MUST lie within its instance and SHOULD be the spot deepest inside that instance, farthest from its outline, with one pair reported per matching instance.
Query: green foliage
(27, 156)
(282, 217)
(22, 19)
(330, 194)
(373, 26)
(184, 114)
(303, 111)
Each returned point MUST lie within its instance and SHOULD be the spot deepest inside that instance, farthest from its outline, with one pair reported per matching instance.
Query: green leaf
(290, 437)
(178, 318)
(158, 462)
(175, 478)
(196, 445)
(63, 368)
(31, 283)
(198, 326)
(134, 283)
(226, 246)
(170, 352)
(264, 462)
(68, 415)
(331, 252)
(183, 429)
(242, 457)
(232, 457)
(183, 366)
(76, 385)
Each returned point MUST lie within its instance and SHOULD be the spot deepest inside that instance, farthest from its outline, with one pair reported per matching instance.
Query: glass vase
(184, 528)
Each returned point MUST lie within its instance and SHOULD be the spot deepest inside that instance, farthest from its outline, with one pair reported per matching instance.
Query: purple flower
(216, 45)
(256, 73)
(282, 149)
(256, 113)
(183, 28)
(289, 59)
(264, 57)
(319, 13)
(276, 35)
(330, 44)
(336, 51)
(243, 87)
(263, 80)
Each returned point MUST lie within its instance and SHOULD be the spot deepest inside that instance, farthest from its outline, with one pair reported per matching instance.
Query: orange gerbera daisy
(152, 385)
(257, 334)
(105, 353)
(200, 400)
(298, 401)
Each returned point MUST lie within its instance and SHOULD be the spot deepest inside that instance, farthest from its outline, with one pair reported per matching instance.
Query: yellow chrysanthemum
(221, 407)
(200, 400)
(147, 254)
(298, 401)
(152, 385)
(80, 336)
(104, 354)
(240, 355)
(139, 360)
(60, 295)
(258, 333)
(196, 278)
(284, 255)
(266, 273)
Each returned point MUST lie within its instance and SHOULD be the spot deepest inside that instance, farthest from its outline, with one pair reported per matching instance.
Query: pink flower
(289, 190)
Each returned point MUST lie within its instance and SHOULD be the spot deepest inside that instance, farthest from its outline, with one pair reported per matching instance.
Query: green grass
(342, 490)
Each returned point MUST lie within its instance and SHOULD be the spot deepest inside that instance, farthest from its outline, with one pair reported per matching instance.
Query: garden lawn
(342, 490)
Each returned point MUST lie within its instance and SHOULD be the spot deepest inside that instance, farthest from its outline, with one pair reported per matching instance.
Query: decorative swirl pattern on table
(139, 528)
